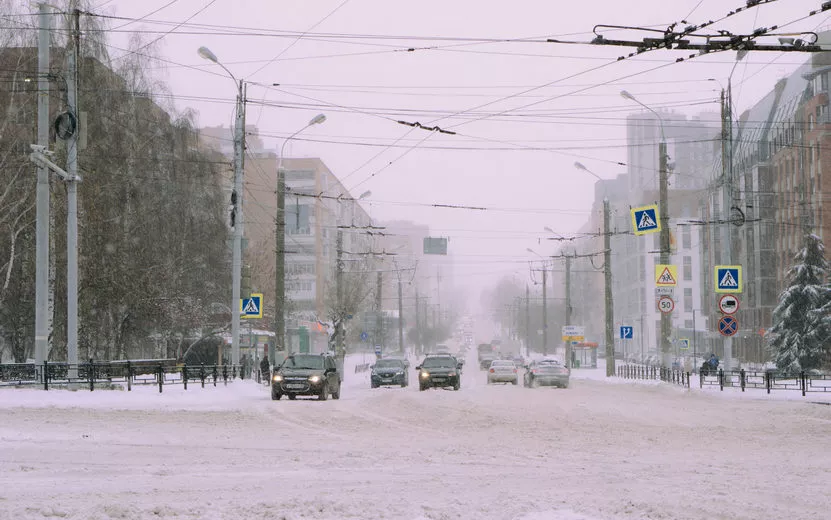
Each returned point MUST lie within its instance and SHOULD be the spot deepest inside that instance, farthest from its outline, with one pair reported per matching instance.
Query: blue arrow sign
(627, 332)
(364, 336)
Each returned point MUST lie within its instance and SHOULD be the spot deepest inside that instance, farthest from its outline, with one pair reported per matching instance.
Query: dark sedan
(439, 371)
(389, 372)
(306, 374)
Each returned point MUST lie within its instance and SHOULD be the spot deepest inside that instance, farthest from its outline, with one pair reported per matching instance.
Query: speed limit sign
(666, 304)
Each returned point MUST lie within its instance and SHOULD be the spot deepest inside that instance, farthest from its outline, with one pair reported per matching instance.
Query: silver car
(547, 372)
(502, 371)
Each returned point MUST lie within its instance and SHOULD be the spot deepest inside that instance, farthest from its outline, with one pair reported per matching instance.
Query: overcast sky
(354, 64)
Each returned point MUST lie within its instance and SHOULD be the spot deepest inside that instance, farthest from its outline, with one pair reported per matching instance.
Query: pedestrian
(264, 366)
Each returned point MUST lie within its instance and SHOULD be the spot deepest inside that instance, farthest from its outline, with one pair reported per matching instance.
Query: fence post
(225, 374)
(185, 376)
(215, 375)
(129, 377)
(804, 382)
(160, 376)
(688, 380)
(767, 381)
(202, 374)
(233, 372)
(743, 378)
(91, 375)
(721, 379)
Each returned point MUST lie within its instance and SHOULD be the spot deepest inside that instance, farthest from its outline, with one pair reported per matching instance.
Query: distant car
(519, 361)
(389, 372)
(503, 371)
(547, 372)
(306, 374)
(439, 371)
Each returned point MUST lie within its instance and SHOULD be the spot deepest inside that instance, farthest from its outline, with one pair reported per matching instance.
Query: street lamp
(544, 303)
(663, 184)
(280, 247)
(236, 203)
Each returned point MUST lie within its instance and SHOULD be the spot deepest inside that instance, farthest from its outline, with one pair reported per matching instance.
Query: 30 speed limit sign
(666, 304)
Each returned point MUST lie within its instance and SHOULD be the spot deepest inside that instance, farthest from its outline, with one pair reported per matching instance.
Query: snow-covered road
(595, 450)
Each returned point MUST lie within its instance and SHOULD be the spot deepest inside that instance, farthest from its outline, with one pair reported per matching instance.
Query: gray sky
(362, 83)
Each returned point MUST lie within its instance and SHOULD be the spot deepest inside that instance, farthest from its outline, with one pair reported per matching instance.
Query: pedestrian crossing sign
(251, 307)
(666, 275)
(728, 279)
(645, 220)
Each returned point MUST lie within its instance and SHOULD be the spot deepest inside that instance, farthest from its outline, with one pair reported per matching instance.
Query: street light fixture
(280, 248)
(544, 303)
(236, 203)
(663, 208)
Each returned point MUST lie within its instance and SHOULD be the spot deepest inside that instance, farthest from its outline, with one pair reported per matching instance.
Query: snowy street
(596, 450)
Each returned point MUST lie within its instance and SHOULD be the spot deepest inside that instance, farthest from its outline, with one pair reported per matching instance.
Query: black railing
(651, 372)
(740, 379)
(105, 373)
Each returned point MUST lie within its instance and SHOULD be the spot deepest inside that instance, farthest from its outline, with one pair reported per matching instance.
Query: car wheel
(456, 386)
(374, 385)
(422, 388)
(324, 392)
(292, 397)
(515, 382)
(275, 395)
(336, 393)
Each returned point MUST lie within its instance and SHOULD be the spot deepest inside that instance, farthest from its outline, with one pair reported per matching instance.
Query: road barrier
(768, 380)
(148, 372)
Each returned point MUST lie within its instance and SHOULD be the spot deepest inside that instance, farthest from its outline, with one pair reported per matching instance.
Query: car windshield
(304, 361)
(436, 362)
(388, 363)
(502, 364)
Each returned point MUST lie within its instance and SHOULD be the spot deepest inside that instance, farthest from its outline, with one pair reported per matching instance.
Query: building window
(688, 299)
(688, 324)
(687, 268)
(686, 237)
(297, 219)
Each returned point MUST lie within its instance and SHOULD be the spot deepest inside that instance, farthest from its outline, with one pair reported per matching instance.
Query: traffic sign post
(666, 304)
(728, 279)
(684, 343)
(627, 332)
(251, 307)
(666, 275)
(728, 326)
(728, 304)
(645, 220)
(574, 333)
(378, 351)
(364, 336)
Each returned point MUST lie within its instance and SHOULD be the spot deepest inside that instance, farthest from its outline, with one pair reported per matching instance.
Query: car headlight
(425, 375)
(400, 373)
(451, 374)
(277, 378)
(314, 379)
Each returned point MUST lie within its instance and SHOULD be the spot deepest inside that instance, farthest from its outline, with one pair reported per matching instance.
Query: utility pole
(280, 268)
(568, 307)
(544, 310)
(666, 323)
(527, 320)
(727, 196)
(438, 292)
(400, 315)
(238, 221)
(379, 318)
(72, 201)
(42, 202)
(418, 322)
(340, 315)
(607, 268)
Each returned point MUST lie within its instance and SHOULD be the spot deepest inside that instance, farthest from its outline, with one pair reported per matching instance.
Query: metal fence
(768, 380)
(126, 373)
(651, 372)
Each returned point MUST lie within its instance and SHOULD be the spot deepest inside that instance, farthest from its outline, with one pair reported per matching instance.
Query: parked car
(389, 372)
(439, 371)
(306, 374)
(503, 371)
(546, 372)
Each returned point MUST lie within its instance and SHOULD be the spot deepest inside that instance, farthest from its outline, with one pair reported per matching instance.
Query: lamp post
(237, 220)
(544, 303)
(663, 181)
(280, 248)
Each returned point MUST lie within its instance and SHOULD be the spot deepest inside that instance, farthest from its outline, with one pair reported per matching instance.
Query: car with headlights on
(502, 371)
(306, 374)
(389, 372)
(439, 371)
(546, 372)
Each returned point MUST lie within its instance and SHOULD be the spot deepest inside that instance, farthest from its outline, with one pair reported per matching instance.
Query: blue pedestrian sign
(378, 350)
(627, 332)
(728, 325)
(364, 336)
(728, 279)
(251, 307)
(684, 343)
(646, 220)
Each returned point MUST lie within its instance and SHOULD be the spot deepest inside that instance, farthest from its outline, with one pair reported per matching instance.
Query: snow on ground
(593, 451)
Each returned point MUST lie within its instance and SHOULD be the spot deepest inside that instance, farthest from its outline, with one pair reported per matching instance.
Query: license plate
(439, 379)
(386, 380)
(296, 386)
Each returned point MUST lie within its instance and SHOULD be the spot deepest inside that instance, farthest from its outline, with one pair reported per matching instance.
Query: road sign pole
(666, 324)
